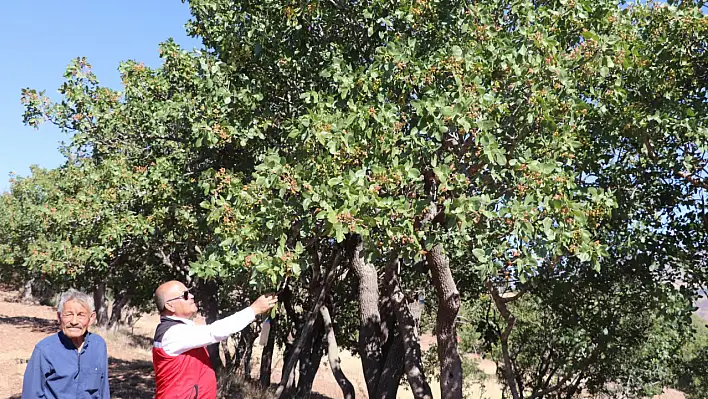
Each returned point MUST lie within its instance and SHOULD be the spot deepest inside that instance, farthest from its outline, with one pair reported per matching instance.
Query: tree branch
(693, 180)
(406, 328)
(309, 324)
(333, 354)
(510, 321)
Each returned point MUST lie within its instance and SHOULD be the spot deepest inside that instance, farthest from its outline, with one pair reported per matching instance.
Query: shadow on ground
(141, 341)
(131, 379)
(128, 379)
(35, 324)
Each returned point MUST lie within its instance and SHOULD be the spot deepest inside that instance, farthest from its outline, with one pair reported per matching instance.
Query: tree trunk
(333, 355)
(228, 359)
(407, 323)
(290, 381)
(120, 301)
(267, 355)
(251, 338)
(240, 351)
(370, 334)
(208, 297)
(504, 339)
(27, 291)
(99, 301)
(448, 306)
(287, 354)
(310, 361)
(309, 325)
(392, 370)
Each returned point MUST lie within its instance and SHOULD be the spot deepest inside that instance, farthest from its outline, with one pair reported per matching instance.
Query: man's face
(185, 308)
(75, 319)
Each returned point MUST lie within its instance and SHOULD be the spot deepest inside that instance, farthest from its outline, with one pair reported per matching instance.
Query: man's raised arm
(184, 337)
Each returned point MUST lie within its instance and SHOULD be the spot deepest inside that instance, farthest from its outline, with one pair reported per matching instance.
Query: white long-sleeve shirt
(183, 337)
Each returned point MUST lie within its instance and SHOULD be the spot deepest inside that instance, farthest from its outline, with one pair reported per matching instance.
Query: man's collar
(69, 344)
(183, 320)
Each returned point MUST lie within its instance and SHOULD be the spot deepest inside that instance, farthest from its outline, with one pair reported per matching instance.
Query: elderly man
(72, 363)
(179, 356)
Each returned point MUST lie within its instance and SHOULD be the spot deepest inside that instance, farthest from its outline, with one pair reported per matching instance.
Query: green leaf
(339, 232)
(546, 168)
(480, 255)
(589, 35)
(486, 124)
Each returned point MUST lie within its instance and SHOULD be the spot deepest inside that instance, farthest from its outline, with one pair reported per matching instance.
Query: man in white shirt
(179, 356)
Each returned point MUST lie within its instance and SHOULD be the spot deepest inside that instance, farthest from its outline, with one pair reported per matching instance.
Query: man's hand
(264, 303)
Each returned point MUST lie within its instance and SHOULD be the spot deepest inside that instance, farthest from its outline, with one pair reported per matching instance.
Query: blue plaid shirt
(57, 369)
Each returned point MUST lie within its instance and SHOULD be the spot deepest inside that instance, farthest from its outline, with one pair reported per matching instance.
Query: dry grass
(235, 386)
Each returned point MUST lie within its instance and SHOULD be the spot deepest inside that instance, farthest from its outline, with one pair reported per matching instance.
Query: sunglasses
(185, 296)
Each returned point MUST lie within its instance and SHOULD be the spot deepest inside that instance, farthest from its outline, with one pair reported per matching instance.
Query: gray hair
(74, 295)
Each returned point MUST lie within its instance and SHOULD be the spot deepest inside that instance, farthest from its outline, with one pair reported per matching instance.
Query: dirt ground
(130, 367)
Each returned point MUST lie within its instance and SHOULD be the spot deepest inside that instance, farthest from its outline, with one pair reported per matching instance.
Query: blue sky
(38, 38)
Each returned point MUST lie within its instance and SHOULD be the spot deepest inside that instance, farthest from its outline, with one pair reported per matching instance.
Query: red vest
(185, 376)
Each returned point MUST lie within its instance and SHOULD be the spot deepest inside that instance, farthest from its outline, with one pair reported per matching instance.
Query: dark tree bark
(244, 340)
(392, 343)
(293, 321)
(309, 325)
(448, 306)
(310, 361)
(392, 370)
(406, 324)
(267, 355)
(387, 335)
(120, 302)
(250, 340)
(287, 354)
(333, 356)
(311, 355)
(99, 301)
(228, 358)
